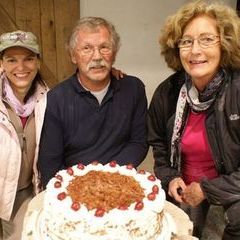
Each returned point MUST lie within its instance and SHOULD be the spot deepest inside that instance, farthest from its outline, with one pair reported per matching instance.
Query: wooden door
(51, 21)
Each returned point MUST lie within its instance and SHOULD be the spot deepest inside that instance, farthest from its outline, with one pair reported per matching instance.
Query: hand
(193, 194)
(176, 186)
(117, 73)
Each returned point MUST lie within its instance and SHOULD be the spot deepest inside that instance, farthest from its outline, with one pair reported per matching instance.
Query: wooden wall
(51, 21)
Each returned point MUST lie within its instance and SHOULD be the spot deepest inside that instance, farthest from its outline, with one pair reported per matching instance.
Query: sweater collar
(114, 84)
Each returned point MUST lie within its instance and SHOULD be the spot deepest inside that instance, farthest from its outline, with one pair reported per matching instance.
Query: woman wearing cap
(194, 116)
(22, 106)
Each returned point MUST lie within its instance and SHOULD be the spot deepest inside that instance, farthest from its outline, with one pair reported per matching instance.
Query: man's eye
(105, 48)
(86, 48)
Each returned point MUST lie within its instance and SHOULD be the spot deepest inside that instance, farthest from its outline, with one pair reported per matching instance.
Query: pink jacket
(10, 153)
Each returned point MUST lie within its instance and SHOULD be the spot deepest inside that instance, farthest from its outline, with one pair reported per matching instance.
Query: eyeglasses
(88, 50)
(204, 41)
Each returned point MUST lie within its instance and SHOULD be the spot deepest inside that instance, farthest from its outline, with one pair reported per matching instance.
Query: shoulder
(235, 78)
(175, 80)
(129, 85)
(63, 88)
(130, 80)
(170, 86)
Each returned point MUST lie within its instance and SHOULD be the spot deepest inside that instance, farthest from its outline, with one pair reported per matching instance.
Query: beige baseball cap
(19, 39)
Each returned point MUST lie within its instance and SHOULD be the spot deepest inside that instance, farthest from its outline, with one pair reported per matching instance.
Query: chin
(99, 77)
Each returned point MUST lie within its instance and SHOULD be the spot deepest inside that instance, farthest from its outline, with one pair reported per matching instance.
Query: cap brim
(35, 50)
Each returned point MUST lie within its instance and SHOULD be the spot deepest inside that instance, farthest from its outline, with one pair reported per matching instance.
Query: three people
(22, 107)
(92, 116)
(194, 115)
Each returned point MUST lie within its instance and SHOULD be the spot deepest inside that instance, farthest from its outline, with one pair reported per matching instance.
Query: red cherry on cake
(57, 184)
(151, 178)
(70, 171)
(75, 206)
(142, 171)
(61, 196)
(113, 164)
(59, 177)
(99, 212)
(129, 166)
(155, 189)
(139, 206)
(80, 166)
(151, 196)
(95, 163)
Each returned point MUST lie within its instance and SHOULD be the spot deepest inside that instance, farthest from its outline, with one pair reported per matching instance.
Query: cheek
(183, 58)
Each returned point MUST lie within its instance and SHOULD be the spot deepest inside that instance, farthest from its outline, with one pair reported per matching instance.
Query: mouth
(21, 75)
(197, 61)
(97, 68)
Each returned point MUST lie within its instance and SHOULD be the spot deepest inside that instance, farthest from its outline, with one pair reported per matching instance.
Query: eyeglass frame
(92, 49)
(199, 41)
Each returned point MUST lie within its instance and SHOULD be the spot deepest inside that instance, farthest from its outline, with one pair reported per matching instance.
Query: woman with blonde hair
(194, 115)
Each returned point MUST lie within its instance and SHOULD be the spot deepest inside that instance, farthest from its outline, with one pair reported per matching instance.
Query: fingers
(175, 189)
(117, 73)
(193, 194)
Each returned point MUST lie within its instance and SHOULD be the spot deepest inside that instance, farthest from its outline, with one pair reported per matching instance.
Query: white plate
(35, 228)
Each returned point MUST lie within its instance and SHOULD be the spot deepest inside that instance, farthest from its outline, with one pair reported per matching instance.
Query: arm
(224, 190)
(136, 148)
(162, 108)
(51, 146)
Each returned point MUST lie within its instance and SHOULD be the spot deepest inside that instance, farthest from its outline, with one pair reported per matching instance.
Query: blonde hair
(228, 26)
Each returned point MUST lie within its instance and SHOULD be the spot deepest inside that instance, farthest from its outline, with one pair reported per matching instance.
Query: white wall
(138, 23)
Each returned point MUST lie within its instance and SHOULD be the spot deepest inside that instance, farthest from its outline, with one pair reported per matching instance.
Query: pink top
(23, 120)
(197, 159)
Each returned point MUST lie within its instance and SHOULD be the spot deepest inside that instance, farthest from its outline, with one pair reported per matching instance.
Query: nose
(20, 65)
(96, 54)
(195, 46)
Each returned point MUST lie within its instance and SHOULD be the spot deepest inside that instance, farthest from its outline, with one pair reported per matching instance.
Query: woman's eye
(11, 60)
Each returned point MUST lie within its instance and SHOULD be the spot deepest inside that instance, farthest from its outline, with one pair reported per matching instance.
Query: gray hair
(93, 23)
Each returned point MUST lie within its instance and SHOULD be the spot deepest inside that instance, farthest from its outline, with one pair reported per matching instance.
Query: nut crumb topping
(105, 190)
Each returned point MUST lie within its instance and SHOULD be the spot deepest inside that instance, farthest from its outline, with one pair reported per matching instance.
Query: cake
(105, 202)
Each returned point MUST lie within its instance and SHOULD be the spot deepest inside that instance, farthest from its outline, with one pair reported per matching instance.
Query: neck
(92, 85)
(20, 94)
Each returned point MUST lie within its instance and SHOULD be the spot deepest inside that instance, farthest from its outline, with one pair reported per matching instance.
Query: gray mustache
(97, 64)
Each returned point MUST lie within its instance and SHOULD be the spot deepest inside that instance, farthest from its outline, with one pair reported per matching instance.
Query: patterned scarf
(198, 101)
(22, 110)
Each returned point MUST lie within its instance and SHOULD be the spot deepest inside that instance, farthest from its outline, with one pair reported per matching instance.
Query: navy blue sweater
(77, 129)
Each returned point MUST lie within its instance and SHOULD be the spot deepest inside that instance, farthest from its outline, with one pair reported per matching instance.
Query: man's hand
(193, 194)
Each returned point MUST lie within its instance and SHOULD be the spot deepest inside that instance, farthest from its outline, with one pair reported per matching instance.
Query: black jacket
(223, 131)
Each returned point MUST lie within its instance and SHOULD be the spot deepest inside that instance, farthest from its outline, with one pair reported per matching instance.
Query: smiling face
(94, 55)
(201, 63)
(21, 66)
